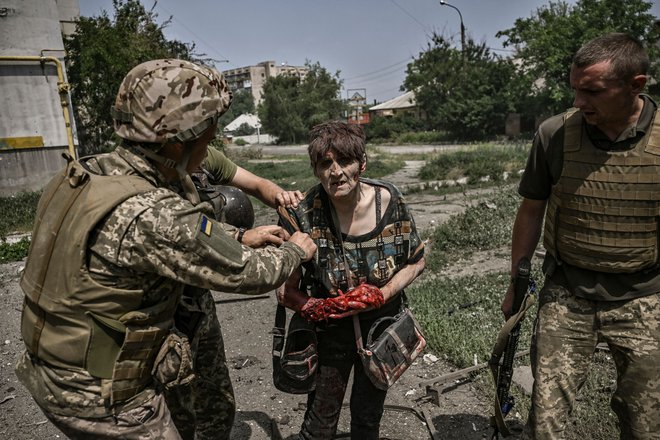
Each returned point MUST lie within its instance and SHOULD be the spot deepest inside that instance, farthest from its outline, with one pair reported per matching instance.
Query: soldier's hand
(305, 242)
(265, 235)
(507, 302)
(289, 199)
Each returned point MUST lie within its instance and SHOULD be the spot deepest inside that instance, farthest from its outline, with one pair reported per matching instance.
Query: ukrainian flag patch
(206, 225)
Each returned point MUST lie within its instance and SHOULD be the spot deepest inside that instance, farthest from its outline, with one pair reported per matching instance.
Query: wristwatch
(241, 232)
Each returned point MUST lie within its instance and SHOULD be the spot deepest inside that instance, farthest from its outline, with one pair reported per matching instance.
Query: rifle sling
(497, 420)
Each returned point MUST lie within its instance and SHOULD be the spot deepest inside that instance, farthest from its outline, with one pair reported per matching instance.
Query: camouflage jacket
(153, 242)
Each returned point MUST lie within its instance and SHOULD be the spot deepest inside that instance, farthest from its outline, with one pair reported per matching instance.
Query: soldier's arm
(265, 190)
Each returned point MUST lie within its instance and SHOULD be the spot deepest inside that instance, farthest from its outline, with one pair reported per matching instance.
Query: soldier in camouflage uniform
(205, 407)
(112, 249)
(594, 172)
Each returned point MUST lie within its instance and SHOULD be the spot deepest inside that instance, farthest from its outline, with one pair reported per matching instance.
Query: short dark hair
(346, 140)
(626, 53)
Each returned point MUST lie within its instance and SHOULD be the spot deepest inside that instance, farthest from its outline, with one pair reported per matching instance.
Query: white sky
(368, 41)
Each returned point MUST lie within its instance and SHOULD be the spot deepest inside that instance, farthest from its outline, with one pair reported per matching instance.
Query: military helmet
(237, 210)
(169, 100)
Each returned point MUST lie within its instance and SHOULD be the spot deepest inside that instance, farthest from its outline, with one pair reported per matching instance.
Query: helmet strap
(186, 181)
(189, 188)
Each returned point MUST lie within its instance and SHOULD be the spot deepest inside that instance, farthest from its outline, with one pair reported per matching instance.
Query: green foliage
(14, 251)
(477, 163)
(290, 107)
(382, 128)
(547, 41)
(421, 137)
(484, 226)
(242, 102)
(290, 175)
(240, 142)
(378, 167)
(244, 129)
(467, 95)
(100, 53)
(18, 213)
(461, 317)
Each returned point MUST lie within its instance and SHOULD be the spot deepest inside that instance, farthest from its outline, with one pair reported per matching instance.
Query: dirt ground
(263, 412)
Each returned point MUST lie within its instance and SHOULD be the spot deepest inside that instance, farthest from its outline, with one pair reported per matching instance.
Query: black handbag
(295, 357)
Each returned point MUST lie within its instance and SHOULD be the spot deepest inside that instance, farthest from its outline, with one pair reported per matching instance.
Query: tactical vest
(604, 212)
(374, 260)
(68, 319)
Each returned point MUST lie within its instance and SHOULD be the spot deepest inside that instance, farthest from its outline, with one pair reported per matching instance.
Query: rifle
(506, 346)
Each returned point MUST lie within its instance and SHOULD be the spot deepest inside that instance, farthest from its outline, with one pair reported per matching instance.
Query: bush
(18, 212)
(476, 163)
(240, 142)
(388, 128)
(14, 251)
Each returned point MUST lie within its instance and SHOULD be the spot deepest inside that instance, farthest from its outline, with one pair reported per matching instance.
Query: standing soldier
(112, 249)
(596, 169)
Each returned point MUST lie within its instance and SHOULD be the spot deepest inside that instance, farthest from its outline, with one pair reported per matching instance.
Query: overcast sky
(368, 41)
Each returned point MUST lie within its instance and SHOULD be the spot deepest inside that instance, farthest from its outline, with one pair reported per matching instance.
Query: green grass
(18, 213)
(485, 226)
(477, 163)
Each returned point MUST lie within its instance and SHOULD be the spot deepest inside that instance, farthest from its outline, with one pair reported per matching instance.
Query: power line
(377, 71)
(422, 25)
(209, 46)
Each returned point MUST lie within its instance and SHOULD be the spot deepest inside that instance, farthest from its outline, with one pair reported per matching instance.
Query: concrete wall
(33, 131)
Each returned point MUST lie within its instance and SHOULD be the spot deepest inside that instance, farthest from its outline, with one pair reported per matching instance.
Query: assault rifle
(506, 346)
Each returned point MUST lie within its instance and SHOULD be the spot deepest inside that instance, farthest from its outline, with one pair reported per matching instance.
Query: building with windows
(252, 78)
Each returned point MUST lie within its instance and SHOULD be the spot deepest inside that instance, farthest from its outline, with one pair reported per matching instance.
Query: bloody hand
(362, 297)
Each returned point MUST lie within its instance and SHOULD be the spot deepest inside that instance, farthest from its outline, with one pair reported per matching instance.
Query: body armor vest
(604, 211)
(68, 319)
(374, 259)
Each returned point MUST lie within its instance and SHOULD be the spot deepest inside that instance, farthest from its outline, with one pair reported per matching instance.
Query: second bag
(394, 350)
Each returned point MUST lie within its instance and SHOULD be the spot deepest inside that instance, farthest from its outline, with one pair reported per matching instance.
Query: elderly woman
(365, 225)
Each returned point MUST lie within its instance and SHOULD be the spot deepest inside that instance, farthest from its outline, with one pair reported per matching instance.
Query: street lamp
(444, 3)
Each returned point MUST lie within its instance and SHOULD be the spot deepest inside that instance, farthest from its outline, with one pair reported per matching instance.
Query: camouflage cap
(169, 100)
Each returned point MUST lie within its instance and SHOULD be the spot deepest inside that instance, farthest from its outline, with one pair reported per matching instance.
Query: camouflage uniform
(373, 258)
(100, 294)
(205, 407)
(580, 307)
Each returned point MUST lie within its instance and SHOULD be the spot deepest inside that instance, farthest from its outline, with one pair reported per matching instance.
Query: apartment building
(254, 77)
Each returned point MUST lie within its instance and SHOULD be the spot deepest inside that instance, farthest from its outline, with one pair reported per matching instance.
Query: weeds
(14, 251)
(488, 161)
(18, 213)
(484, 226)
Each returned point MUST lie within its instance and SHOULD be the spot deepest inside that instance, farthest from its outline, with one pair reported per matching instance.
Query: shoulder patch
(205, 225)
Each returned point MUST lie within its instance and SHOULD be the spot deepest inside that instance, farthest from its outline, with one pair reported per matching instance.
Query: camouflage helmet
(169, 100)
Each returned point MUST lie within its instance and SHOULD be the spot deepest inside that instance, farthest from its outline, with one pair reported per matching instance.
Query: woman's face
(339, 176)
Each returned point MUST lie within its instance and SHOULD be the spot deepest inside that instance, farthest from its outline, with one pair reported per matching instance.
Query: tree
(466, 94)
(100, 53)
(547, 41)
(242, 102)
(290, 107)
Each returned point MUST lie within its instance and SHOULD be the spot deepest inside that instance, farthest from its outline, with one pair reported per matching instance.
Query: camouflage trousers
(149, 421)
(205, 408)
(567, 330)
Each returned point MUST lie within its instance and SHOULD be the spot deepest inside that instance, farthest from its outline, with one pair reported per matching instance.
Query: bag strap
(278, 333)
(349, 280)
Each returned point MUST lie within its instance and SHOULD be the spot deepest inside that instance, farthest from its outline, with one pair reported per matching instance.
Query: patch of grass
(290, 175)
(484, 226)
(477, 163)
(14, 251)
(18, 213)
(461, 317)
